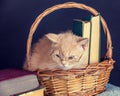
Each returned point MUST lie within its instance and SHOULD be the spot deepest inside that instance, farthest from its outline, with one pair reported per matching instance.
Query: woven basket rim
(68, 5)
(101, 66)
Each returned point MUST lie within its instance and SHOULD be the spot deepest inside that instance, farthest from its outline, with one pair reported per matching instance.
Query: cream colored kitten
(59, 51)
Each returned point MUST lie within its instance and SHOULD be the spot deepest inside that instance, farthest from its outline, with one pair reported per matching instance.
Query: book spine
(95, 39)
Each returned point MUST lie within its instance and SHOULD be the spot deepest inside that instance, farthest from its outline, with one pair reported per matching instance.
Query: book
(14, 81)
(36, 92)
(82, 28)
(89, 28)
(95, 40)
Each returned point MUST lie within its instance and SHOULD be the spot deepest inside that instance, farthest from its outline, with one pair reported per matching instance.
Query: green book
(82, 28)
(95, 40)
(89, 28)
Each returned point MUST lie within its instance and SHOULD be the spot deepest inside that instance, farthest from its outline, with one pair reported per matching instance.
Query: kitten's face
(67, 58)
(67, 49)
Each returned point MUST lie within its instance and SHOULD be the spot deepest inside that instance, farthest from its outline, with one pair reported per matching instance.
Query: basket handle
(67, 5)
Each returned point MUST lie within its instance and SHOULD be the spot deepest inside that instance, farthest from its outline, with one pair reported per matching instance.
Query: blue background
(17, 16)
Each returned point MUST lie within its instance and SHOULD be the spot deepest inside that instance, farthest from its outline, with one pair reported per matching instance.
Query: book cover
(95, 39)
(36, 92)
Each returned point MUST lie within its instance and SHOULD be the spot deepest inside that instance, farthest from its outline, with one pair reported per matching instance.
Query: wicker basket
(83, 82)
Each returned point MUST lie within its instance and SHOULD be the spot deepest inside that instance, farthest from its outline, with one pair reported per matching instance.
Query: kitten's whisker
(80, 57)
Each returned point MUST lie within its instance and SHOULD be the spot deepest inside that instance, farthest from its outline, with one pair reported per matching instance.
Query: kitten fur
(58, 51)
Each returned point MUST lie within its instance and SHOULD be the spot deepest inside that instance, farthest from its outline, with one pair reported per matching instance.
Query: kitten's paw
(30, 68)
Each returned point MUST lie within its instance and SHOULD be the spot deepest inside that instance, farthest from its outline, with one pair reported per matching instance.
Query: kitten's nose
(64, 63)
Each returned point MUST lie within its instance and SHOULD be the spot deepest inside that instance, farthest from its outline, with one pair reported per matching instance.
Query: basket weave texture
(75, 82)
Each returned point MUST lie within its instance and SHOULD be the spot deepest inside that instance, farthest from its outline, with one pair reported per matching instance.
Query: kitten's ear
(83, 42)
(52, 37)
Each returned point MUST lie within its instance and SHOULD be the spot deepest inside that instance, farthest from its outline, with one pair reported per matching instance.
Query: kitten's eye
(58, 55)
(71, 57)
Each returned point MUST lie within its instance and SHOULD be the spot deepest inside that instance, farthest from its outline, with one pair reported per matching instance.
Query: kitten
(59, 51)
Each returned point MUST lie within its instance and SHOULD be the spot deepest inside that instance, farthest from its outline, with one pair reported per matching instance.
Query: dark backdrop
(16, 17)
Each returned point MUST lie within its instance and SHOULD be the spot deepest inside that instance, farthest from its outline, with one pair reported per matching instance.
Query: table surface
(112, 90)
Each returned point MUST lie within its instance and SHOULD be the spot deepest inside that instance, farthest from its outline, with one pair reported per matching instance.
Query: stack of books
(16, 81)
(90, 28)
